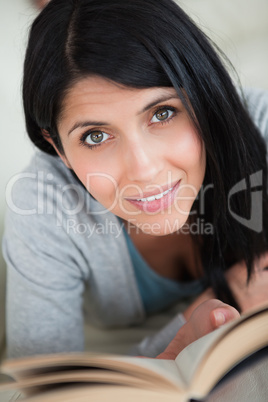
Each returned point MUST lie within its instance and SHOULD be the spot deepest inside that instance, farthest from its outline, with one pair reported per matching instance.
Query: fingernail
(220, 318)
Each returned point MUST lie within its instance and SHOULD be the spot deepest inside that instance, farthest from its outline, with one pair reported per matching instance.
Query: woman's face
(135, 150)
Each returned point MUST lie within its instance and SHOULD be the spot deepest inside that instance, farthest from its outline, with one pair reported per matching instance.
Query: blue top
(158, 292)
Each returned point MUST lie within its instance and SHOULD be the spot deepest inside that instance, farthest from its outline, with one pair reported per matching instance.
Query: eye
(162, 114)
(95, 137)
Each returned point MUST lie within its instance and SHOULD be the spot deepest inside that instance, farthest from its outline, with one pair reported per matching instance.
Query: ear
(48, 138)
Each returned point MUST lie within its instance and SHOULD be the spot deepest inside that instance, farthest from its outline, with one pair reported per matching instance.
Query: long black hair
(146, 44)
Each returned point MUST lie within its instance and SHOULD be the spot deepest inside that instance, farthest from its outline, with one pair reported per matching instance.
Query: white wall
(240, 27)
(15, 17)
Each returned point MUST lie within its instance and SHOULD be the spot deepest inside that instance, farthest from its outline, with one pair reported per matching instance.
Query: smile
(155, 197)
(157, 202)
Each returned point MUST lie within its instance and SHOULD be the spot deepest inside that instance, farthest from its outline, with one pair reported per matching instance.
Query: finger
(222, 315)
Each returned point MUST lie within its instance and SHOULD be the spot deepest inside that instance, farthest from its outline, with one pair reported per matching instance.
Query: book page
(156, 372)
(249, 331)
(106, 393)
(165, 368)
(191, 357)
(152, 373)
(232, 349)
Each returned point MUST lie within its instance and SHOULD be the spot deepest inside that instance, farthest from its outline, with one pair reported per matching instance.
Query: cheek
(188, 151)
(102, 186)
(97, 176)
(86, 166)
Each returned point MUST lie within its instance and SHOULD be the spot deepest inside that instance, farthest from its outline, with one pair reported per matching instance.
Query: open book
(194, 373)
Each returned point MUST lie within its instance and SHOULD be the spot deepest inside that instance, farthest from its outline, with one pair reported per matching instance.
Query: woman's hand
(248, 295)
(208, 316)
(207, 313)
(255, 293)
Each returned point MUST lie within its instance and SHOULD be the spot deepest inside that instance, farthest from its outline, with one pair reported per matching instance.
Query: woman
(143, 138)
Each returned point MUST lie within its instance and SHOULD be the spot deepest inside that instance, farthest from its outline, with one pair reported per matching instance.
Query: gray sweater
(65, 253)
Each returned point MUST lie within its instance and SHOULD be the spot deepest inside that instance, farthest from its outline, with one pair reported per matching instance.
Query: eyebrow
(162, 98)
(87, 123)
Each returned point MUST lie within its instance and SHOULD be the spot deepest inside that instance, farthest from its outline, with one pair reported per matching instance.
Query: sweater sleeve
(152, 346)
(45, 281)
(257, 103)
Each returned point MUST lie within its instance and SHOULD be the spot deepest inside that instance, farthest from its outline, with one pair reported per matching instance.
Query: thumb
(223, 314)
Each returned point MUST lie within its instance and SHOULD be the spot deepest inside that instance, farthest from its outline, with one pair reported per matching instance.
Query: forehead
(98, 92)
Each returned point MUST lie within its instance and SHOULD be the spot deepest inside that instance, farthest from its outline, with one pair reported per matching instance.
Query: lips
(155, 197)
(158, 193)
(156, 202)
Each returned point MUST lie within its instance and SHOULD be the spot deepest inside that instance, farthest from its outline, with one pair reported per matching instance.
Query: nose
(141, 161)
